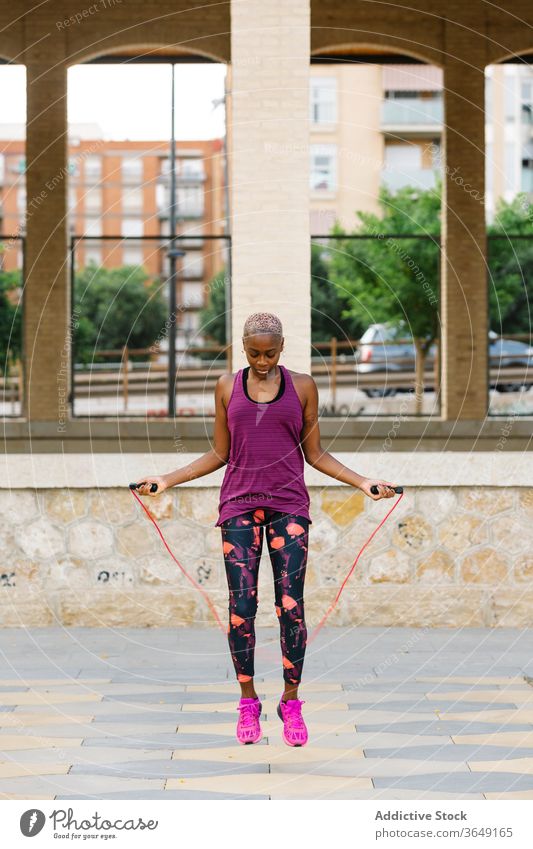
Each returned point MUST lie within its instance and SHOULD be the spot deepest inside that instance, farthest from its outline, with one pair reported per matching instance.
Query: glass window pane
(132, 168)
(92, 199)
(93, 167)
(93, 227)
(323, 175)
(323, 97)
(132, 227)
(132, 200)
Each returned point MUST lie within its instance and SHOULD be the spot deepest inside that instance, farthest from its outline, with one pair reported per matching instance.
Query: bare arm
(208, 462)
(324, 461)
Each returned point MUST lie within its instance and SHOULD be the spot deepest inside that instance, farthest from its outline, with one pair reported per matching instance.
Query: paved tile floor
(392, 714)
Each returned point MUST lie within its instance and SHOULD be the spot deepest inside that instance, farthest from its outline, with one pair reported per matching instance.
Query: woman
(265, 417)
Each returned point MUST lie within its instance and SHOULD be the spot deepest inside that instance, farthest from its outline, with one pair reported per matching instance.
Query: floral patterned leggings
(242, 543)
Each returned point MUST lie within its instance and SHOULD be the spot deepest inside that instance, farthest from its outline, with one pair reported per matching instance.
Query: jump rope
(374, 490)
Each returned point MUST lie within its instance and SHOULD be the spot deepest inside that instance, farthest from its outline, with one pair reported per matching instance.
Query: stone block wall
(90, 557)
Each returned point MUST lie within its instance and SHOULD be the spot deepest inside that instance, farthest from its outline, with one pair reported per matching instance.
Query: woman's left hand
(385, 489)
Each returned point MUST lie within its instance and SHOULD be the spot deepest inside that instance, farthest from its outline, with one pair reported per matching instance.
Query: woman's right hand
(161, 482)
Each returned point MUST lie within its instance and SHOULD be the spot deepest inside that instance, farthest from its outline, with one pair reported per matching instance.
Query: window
(323, 167)
(190, 201)
(192, 294)
(132, 169)
(132, 227)
(132, 255)
(509, 99)
(526, 182)
(526, 173)
(132, 200)
(93, 168)
(191, 168)
(21, 199)
(192, 264)
(510, 167)
(323, 100)
(160, 197)
(402, 95)
(403, 156)
(526, 96)
(192, 322)
(93, 200)
(93, 226)
(93, 254)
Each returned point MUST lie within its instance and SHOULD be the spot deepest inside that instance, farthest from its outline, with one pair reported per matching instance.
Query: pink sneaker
(294, 728)
(248, 726)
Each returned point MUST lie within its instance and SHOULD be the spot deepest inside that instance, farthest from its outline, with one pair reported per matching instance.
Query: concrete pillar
(46, 293)
(269, 116)
(464, 308)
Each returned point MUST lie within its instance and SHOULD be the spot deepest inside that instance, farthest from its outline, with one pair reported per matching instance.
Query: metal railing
(131, 379)
(12, 256)
(510, 280)
(412, 111)
(385, 369)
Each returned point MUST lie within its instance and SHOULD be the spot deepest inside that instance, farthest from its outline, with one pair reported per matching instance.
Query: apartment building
(509, 135)
(373, 125)
(119, 203)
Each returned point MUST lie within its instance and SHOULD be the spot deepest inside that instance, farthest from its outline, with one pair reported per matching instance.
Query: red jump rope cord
(193, 582)
(354, 564)
(210, 603)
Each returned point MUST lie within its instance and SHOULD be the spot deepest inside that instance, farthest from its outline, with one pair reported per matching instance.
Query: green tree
(391, 279)
(213, 315)
(511, 266)
(116, 307)
(327, 304)
(328, 300)
(10, 318)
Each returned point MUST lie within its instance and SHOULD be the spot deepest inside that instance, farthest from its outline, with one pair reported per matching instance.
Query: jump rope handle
(153, 486)
(375, 491)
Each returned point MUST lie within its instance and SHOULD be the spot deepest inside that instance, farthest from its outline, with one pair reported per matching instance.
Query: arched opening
(509, 208)
(148, 222)
(14, 210)
(376, 125)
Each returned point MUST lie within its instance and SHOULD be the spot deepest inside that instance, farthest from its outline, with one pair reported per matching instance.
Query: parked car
(388, 348)
(507, 353)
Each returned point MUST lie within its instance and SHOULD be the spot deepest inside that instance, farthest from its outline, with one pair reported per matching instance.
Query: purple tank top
(266, 463)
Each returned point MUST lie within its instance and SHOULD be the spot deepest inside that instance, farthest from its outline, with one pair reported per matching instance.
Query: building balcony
(420, 178)
(181, 212)
(412, 116)
(183, 179)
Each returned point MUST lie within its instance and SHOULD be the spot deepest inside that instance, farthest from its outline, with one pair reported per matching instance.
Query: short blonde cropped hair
(262, 322)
